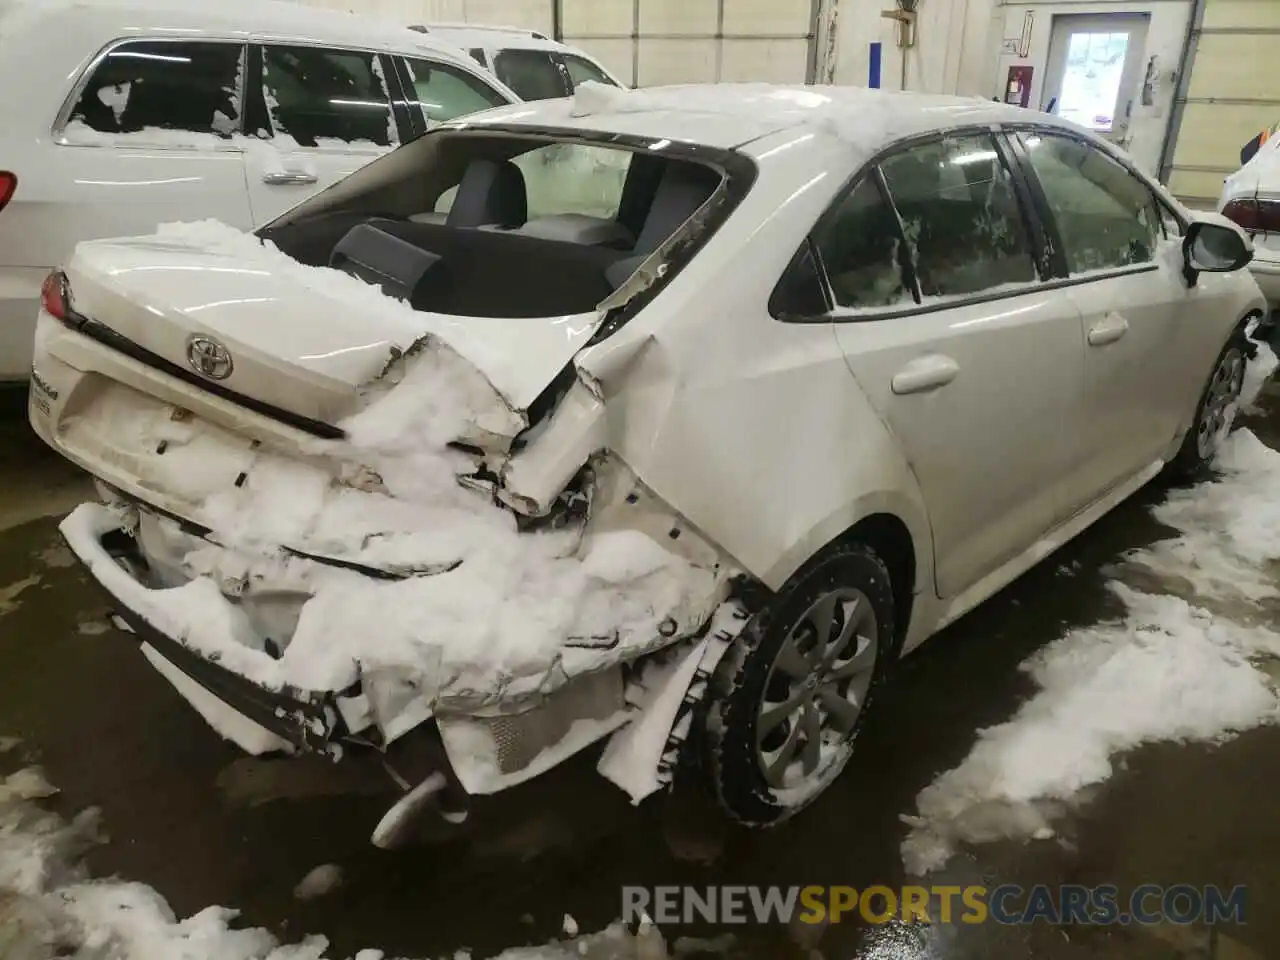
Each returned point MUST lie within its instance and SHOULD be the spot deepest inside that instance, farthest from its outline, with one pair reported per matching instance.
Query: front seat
(491, 194)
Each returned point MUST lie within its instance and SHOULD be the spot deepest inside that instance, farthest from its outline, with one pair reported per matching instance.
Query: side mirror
(1210, 247)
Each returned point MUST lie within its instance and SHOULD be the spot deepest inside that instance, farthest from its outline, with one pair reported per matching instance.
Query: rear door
(935, 268)
(147, 136)
(1138, 327)
(325, 112)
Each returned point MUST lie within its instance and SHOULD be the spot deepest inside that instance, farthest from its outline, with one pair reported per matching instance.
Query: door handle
(1108, 330)
(282, 178)
(925, 373)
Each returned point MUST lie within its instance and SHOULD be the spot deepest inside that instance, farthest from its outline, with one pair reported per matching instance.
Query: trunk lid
(239, 317)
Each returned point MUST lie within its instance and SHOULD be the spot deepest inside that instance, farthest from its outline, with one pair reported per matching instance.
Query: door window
(190, 86)
(1105, 215)
(532, 74)
(860, 246)
(960, 215)
(582, 70)
(478, 56)
(444, 92)
(316, 95)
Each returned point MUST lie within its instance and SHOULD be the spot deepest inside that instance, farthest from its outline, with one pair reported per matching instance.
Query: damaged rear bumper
(256, 718)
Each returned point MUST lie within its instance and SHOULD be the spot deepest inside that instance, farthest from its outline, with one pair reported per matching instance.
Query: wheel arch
(892, 525)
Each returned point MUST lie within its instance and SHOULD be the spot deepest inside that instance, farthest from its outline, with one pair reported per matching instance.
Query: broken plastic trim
(205, 533)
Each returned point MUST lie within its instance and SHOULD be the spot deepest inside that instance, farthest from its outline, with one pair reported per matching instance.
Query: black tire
(733, 771)
(1191, 461)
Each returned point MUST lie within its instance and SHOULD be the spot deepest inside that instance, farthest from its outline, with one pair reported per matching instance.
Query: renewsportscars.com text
(1006, 904)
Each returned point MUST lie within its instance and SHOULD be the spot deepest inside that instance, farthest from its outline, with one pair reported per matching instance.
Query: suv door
(321, 114)
(146, 136)
(932, 261)
(1132, 299)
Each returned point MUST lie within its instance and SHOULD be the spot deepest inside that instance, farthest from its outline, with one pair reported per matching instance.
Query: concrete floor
(203, 825)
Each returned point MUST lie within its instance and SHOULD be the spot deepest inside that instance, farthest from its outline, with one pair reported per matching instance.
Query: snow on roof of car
(731, 114)
(241, 18)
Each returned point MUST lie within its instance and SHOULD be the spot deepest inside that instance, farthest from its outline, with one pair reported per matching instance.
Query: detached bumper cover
(307, 721)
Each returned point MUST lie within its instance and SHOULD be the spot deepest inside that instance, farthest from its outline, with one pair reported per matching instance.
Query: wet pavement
(188, 815)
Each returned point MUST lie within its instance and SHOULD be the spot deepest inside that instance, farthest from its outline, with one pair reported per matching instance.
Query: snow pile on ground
(49, 907)
(1169, 671)
(495, 623)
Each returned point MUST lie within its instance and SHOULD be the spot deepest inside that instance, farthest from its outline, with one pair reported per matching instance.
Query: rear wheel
(789, 698)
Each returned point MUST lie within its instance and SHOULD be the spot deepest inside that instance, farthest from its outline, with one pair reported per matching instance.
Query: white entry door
(1095, 64)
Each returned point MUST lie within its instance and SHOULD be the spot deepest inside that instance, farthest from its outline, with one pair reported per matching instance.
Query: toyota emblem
(208, 357)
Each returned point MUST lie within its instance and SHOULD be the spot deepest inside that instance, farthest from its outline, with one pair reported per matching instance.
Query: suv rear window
(532, 74)
(183, 85)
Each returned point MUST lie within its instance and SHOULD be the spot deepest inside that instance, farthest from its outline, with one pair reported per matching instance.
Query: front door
(1133, 303)
(1094, 68)
(975, 370)
(326, 113)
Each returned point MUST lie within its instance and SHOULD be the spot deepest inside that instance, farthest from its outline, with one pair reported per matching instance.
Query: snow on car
(671, 417)
(1251, 197)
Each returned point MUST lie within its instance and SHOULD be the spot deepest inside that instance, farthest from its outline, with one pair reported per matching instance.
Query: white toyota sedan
(669, 418)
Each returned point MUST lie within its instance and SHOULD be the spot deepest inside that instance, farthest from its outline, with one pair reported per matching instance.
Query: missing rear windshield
(504, 223)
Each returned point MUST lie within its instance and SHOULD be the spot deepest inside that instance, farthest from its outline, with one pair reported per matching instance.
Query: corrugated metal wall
(645, 42)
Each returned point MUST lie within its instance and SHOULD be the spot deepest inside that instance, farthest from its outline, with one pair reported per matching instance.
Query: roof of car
(483, 35)
(245, 18)
(728, 115)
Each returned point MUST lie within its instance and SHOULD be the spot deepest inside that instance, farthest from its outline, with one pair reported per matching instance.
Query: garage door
(648, 42)
(1228, 93)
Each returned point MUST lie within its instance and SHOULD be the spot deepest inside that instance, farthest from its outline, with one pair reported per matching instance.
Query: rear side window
(316, 94)
(960, 216)
(860, 247)
(1107, 217)
(444, 92)
(581, 70)
(190, 86)
(532, 74)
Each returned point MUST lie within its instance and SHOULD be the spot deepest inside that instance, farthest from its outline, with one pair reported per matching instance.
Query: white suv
(531, 64)
(236, 110)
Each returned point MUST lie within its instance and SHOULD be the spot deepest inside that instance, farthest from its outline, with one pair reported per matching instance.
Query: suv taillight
(1254, 214)
(8, 187)
(55, 296)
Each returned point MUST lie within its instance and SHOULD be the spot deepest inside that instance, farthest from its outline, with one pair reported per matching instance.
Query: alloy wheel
(816, 690)
(1220, 402)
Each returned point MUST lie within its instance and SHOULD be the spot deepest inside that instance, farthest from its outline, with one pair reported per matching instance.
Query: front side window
(532, 74)
(860, 247)
(581, 70)
(478, 56)
(960, 216)
(189, 86)
(315, 94)
(1105, 215)
(444, 92)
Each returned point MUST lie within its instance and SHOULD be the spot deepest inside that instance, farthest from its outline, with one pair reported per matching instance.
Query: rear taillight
(55, 296)
(8, 187)
(1254, 214)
